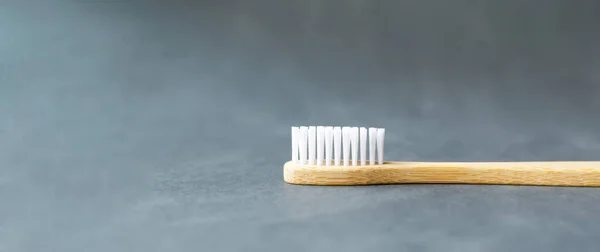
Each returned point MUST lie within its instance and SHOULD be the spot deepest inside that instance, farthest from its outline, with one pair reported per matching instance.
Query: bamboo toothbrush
(326, 155)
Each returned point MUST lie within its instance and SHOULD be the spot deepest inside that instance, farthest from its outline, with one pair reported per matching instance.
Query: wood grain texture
(563, 173)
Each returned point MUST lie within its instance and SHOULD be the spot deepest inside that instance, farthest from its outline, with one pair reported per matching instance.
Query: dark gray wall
(98, 97)
(459, 64)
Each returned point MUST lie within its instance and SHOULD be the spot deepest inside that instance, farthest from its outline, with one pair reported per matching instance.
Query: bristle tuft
(320, 144)
(312, 141)
(372, 145)
(337, 145)
(303, 141)
(354, 142)
(363, 146)
(346, 144)
(328, 145)
(295, 144)
(380, 141)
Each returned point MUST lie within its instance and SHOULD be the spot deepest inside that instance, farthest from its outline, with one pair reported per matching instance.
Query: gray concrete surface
(163, 126)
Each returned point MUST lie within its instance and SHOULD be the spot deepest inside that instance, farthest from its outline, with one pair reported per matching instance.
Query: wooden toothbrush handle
(553, 173)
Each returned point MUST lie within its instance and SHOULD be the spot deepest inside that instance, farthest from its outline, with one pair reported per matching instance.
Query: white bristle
(303, 142)
(320, 143)
(354, 141)
(346, 144)
(328, 145)
(295, 144)
(337, 145)
(363, 146)
(380, 141)
(312, 141)
(372, 145)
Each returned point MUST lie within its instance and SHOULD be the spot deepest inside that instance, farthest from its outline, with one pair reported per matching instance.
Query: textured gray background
(156, 126)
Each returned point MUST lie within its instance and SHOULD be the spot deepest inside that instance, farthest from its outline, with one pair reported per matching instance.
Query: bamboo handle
(563, 173)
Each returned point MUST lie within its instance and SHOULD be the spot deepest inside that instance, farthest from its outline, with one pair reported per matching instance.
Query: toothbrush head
(334, 149)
